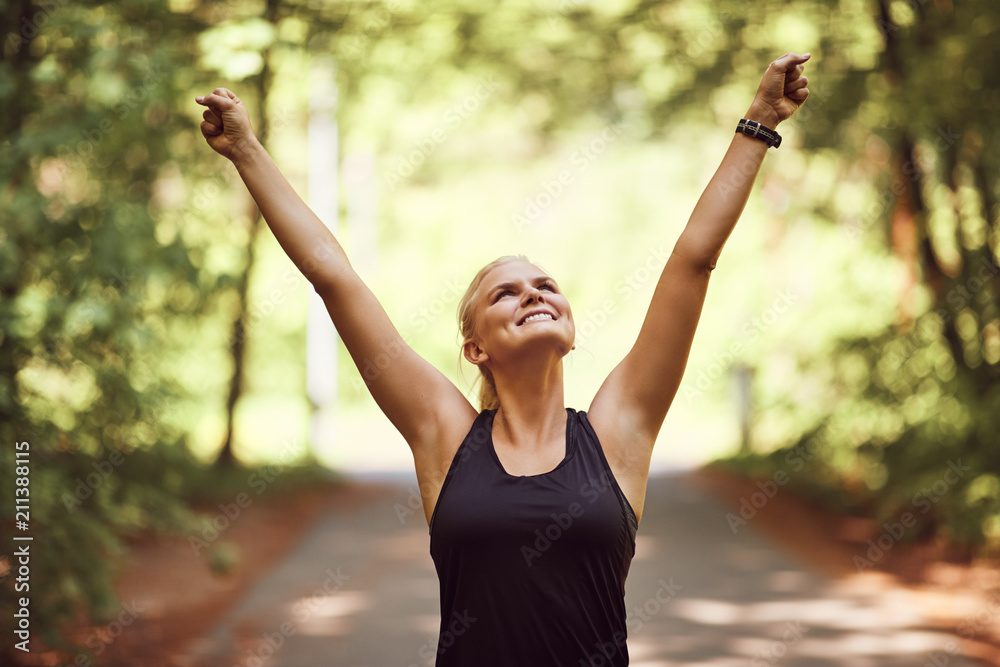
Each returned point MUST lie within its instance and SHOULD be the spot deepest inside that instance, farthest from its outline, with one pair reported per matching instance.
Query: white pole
(321, 336)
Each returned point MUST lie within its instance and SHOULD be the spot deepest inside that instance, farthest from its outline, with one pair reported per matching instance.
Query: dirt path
(170, 596)
(360, 590)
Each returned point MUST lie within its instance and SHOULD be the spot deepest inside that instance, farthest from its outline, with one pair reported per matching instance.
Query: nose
(532, 294)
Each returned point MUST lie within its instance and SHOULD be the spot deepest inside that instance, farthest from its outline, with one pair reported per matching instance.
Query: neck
(532, 406)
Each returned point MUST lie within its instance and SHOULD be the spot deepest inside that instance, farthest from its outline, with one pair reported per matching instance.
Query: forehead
(511, 272)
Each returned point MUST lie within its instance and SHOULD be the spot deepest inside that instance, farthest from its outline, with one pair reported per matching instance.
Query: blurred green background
(851, 336)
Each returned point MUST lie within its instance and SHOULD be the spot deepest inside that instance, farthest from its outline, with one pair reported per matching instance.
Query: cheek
(566, 309)
(571, 321)
(493, 319)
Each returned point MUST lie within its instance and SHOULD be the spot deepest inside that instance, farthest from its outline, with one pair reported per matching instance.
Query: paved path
(360, 591)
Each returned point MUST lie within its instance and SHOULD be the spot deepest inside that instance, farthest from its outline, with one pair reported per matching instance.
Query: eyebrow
(537, 280)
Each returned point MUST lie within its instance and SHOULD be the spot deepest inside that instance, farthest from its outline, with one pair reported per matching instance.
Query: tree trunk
(262, 84)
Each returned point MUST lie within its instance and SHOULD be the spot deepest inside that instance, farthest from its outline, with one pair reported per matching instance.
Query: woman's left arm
(632, 403)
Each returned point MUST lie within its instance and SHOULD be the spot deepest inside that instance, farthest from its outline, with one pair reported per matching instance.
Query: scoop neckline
(570, 448)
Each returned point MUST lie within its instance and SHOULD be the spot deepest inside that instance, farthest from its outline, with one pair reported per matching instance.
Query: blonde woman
(532, 506)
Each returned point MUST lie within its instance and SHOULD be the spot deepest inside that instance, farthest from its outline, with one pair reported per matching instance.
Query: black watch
(752, 128)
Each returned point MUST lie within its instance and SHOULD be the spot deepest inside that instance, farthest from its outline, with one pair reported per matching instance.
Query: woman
(532, 506)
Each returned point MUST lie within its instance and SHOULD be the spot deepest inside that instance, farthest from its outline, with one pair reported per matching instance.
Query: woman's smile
(537, 316)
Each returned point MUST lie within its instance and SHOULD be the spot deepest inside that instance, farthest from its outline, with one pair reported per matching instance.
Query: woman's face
(520, 310)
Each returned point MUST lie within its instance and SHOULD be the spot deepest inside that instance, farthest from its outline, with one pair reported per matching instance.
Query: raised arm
(632, 403)
(417, 398)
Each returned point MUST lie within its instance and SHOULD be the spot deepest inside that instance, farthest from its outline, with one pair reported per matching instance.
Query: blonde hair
(488, 399)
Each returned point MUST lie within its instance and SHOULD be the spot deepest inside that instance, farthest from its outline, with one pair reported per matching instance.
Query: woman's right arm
(419, 400)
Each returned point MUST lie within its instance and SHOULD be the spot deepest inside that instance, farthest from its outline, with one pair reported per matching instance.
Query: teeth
(539, 316)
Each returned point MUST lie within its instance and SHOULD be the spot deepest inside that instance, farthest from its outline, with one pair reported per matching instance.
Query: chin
(550, 339)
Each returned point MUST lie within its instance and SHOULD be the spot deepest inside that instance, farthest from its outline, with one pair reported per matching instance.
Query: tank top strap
(470, 455)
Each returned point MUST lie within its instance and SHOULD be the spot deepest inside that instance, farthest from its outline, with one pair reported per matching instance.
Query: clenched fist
(783, 88)
(226, 127)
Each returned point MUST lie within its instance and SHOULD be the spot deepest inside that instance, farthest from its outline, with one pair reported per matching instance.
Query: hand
(226, 127)
(781, 91)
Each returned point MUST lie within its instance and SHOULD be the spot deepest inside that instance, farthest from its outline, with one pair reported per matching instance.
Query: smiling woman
(532, 506)
(491, 293)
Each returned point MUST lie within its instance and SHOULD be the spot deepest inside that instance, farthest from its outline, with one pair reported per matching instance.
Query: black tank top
(532, 568)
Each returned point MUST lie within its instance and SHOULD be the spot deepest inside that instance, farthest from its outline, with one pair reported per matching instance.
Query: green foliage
(90, 288)
(910, 421)
(904, 432)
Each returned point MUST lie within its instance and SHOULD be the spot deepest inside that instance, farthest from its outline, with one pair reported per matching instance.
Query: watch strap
(752, 128)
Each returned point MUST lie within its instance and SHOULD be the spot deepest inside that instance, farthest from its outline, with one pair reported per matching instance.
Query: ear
(474, 354)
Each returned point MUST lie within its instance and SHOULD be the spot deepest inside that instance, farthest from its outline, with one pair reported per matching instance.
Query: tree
(89, 92)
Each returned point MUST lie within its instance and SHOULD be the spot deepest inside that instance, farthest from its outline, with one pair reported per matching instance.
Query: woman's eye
(547, 286)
